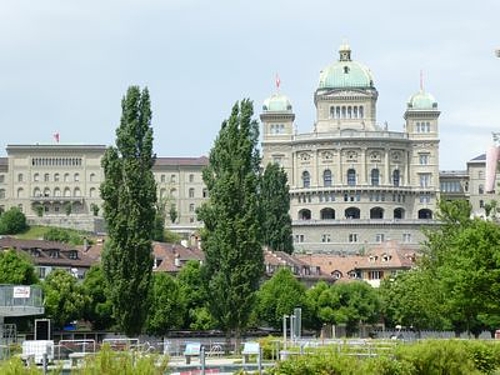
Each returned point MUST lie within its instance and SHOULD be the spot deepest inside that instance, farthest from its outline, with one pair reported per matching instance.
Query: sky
(66, 64)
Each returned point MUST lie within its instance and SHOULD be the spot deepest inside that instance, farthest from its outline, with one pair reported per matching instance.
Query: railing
(21, 300)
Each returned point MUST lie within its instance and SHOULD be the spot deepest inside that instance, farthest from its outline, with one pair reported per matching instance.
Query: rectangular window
(325, 238)
(353, 237)
(406, 237)
(425, 180)
(375, 275)
(424, 159)
(299, 238)
(191, 178)
(172, 178)
(2, 178)
(379, 237)
(425, 198)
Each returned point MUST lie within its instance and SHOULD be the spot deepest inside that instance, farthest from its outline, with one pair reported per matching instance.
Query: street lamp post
(285, 317)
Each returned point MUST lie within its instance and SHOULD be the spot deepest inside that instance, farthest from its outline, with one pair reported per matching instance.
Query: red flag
(56, 137)
(278, 81)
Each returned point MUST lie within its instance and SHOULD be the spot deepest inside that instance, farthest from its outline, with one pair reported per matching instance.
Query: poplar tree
(129, 194)
(233, 253)
(275, 202)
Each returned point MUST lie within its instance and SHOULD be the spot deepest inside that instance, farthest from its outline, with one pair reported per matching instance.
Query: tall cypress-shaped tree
(233, 254)
(129, 194)
(275, 203)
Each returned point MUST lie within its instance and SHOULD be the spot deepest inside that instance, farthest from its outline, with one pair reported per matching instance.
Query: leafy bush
(64, 235)
(15, 366)
(109, 362)
(13, 221)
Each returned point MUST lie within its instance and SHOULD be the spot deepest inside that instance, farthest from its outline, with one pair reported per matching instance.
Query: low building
(48, 256)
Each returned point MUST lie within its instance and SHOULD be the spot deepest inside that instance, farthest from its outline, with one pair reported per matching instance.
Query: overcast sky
(65, 65)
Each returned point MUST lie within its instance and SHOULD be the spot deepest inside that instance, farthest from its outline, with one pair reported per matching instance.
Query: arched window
(93, 192)
(92, 177)
(327, 214)
(77, 177)
(20, 193)
(77, 192)
(37, 192)
(399, 213)
(351, 177)
(377, 213)
(425, 214)
(46, 192)
(57, 192)
(36, 177)
(352, 213)
(66, 177)
(20, 177)
(306, 179)
(396, 177)
(67, 192)
(46, 177)
(327, 178)
(56, 177)
(173, 192)
(304, 214)
(375, 177)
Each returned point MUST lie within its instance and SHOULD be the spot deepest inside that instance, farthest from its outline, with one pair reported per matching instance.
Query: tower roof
(345, 73)
(422, 101)
(277, 103)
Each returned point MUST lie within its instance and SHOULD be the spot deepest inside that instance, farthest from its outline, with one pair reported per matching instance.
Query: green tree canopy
(279, 296)
(167, 308)
(16, 269)
(129, 195)
(98, 310)
(193, 294)
(234, 260)
(64, 298)
(275, 204)
(13, 221)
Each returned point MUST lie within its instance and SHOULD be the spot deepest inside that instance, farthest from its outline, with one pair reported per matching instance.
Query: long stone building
(353, 182)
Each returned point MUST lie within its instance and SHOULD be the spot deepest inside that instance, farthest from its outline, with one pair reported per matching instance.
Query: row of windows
(66, 177)
(173, 178)
(58, 209)
(66, 192)
(373, 197)
(423, 127)
(56, 177)
(277, 129)
(56, 162)
(347, 112)
(355, 213)
(453, 187)
(191, 193)
(351, 178)
(352, 238)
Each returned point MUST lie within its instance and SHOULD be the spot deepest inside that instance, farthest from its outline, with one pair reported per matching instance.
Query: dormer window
(54, 254)
(386, 257)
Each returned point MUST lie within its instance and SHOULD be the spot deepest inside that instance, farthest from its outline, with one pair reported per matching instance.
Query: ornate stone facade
(353, 182)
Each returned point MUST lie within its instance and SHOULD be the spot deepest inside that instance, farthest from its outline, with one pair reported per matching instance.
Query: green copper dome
(345, 73)
(277, 103)
(422, 100)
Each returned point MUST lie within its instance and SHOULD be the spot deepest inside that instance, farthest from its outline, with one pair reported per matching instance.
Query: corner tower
(277, 129)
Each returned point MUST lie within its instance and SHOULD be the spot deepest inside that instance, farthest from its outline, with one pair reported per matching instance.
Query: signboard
(21, 292)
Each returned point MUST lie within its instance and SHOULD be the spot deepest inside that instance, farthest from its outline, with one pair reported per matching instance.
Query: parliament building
(353, 182)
